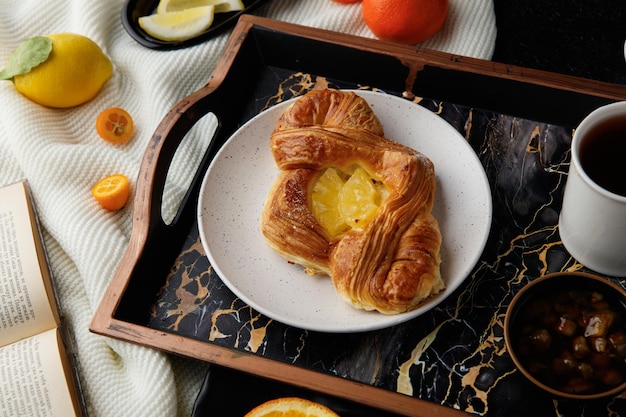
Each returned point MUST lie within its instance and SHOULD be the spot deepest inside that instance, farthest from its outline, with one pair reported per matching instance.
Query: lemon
(73, 73)
(180, 25)
(221, 6)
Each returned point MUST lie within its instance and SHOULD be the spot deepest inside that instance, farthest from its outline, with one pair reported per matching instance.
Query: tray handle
(159, 154)
(146, 251)
(215, 97)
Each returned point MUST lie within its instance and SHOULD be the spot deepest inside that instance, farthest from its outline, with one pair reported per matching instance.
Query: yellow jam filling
(341, 201)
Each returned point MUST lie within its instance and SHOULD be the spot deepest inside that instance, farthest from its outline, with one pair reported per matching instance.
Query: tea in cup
(592, 223)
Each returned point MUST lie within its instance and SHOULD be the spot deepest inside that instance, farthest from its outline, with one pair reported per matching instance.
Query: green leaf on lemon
(27, 56)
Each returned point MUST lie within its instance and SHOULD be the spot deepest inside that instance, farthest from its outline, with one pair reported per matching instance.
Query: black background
(584, 38)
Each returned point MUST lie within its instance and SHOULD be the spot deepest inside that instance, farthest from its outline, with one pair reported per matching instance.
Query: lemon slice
(178, 26)
(359, 200)
(221, 6)
(325, 202)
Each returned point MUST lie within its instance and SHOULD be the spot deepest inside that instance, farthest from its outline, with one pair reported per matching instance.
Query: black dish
(222, 383)
(134, 9)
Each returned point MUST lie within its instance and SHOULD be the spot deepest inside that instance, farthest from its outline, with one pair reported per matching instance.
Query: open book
(36, 373)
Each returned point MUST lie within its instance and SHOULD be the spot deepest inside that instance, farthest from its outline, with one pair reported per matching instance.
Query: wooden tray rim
(416, 59)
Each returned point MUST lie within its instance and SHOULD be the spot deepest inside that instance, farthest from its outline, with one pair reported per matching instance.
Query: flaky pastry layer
(392, 264)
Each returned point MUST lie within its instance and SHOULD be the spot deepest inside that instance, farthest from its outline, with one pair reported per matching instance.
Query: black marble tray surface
(455, 354)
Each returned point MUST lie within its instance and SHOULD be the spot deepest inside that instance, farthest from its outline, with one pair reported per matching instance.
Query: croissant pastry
(386, 256)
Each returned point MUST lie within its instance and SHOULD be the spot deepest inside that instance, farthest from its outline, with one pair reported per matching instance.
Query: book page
(25, 304)
(32, 378)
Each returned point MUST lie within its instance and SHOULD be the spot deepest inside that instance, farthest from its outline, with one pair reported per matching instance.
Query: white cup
(592, 223)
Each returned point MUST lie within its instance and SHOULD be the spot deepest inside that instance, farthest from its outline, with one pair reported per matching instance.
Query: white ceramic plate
(236, 186)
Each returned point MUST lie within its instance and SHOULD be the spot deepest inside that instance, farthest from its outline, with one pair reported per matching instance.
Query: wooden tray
(165, 295)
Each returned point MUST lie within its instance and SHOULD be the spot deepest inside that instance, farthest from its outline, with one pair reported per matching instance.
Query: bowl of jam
(566, 332)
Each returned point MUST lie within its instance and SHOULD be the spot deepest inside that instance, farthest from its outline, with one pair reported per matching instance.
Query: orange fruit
(112, 192)
(291, 407)
(405, 21)
(114, 125)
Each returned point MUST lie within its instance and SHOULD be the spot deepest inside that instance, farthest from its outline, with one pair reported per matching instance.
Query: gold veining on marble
(297, 84)
(454, 355)
(188, 301)
(404, 384)
(256, 328)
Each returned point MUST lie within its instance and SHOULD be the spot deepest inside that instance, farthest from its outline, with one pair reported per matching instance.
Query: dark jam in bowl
(571, 336)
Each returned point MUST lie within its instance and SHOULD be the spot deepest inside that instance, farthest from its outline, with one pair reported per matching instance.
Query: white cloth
(60, 154)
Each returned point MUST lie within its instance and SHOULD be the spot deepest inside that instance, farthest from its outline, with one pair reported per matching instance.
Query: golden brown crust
(330, 108)
(392, 264)
(289, 226)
